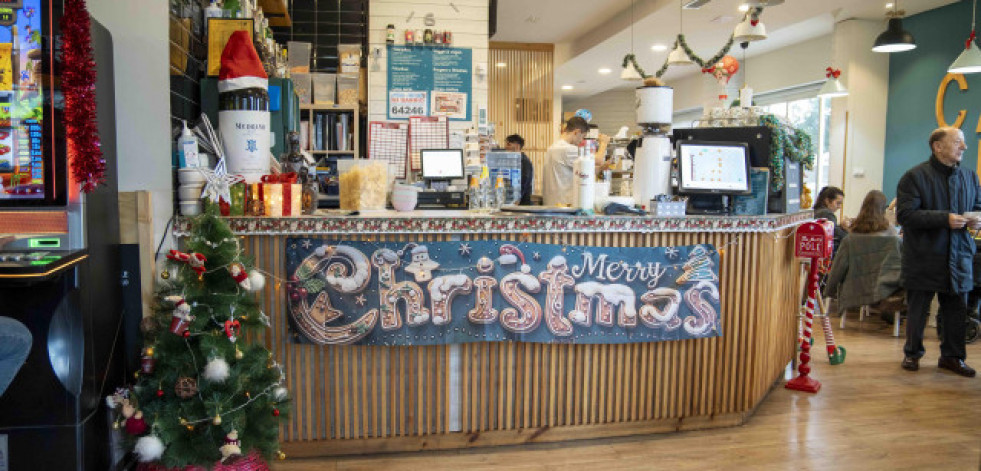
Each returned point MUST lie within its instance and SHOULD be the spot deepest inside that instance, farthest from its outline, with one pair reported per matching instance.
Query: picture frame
(219, 31)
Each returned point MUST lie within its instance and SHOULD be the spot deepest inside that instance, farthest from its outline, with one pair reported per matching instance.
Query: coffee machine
(652, 159)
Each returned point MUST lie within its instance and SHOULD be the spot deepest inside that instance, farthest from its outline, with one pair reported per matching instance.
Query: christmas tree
(203, 396)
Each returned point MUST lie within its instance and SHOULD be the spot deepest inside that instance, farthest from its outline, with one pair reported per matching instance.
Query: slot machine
(59, 253)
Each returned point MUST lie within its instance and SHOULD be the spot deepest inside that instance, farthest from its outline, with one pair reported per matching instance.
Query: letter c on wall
(942, 92)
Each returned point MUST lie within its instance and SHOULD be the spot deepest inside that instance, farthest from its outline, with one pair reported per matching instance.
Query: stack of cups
(192, 182)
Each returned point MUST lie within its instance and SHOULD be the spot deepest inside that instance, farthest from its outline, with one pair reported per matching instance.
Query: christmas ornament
(281, 455)
(194, 260)
(280, 393)
(231, 447)
(216, 420)
(147, 362)
(135, 425)
(181, 319)
(216, 370)
(238, 354)
(186, 334)
(115, 425)
(252, 281)
(186, 387)
(149, 448)
(165, 275)
(160, 392)
(275, 412)
(78, 87)
(232, 329)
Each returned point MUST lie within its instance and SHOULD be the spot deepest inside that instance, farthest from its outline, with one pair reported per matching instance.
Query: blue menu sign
(429, 81)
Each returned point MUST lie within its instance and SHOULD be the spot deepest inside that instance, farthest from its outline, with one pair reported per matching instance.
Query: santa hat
(240, 65)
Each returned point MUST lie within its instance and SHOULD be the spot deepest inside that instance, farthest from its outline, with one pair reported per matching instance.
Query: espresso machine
(652, 159)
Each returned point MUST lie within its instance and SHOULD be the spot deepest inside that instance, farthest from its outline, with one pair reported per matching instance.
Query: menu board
(21, 103)
(429, 81)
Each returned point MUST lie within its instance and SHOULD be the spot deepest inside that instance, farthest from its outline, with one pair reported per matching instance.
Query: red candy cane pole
(803, 382)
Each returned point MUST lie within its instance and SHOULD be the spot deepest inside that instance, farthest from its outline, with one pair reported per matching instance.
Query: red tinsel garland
(78, 86)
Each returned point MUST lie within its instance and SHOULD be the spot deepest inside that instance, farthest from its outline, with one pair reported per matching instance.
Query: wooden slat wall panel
(361, 399)
(526, 81)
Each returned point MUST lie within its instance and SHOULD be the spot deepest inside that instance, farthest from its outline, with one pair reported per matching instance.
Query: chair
(865, 272)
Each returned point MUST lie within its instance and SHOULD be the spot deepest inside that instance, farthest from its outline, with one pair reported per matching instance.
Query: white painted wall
(858, 142)
(141, 40)
(469, 28)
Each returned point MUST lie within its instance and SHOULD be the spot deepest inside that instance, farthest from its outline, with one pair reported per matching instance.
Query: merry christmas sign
(426, 293)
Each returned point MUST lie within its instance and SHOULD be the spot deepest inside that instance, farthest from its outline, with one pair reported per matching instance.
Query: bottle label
(189, 150)
(245, 135)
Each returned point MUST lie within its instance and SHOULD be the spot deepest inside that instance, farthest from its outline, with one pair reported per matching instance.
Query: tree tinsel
(252, 400)
(78, 86)
(786, 141)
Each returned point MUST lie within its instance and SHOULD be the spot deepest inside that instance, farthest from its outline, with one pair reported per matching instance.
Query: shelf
(276, 11)
(328, 108)
(331, 152)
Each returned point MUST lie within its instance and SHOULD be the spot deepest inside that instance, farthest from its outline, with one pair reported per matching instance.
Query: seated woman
(858, 275)
(829, 200)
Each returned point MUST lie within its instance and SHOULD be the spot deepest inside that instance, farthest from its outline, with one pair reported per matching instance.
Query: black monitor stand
(719, 205)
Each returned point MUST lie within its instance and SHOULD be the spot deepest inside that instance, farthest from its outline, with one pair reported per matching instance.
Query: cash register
(439, 168)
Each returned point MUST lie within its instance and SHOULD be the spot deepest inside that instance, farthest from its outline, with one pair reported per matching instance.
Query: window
(803, 109)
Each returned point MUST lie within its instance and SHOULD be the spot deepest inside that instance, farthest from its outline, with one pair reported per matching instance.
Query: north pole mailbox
(815, 239)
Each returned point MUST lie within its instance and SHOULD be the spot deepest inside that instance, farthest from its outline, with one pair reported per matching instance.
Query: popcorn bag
(364, 187)
(281, 195)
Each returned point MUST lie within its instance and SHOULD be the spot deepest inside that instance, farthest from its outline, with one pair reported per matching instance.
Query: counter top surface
(465, 222)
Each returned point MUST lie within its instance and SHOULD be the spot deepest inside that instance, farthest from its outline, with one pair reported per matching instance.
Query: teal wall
(914, 78)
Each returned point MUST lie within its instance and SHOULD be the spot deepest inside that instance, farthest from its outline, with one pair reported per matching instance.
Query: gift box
(281, 195)
(237, 205)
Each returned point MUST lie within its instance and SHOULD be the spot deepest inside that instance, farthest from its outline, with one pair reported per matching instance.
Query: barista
(560, 157)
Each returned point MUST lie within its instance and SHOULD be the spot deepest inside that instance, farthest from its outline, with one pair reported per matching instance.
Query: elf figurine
(195, 260)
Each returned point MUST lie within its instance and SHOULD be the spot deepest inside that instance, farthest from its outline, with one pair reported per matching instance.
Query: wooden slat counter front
(367, 399)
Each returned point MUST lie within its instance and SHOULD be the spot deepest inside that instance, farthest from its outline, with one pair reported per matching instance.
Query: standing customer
(515, 143)
(937, 248)
(15, 344)
(829, 201)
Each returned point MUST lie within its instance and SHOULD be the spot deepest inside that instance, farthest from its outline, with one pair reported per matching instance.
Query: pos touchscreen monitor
(441, 164)
(720, 168)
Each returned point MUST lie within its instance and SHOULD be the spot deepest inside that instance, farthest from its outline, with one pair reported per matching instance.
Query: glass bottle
(499, 193)
(473, 194)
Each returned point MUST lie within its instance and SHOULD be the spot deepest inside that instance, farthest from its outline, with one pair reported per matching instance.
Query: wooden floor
(869, 415)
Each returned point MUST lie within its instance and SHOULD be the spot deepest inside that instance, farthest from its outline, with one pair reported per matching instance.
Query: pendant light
(894, 38)
(630, 72)
(969, 61)
(832, 87)
(751, 28)
(678, 56)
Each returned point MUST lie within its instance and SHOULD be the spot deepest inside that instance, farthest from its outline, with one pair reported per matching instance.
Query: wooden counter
(368, 399)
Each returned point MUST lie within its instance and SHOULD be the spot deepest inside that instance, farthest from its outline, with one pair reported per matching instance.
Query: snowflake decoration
(671, 252)
(537, 256)
(306, 243)
(360, 300)
(465, 249)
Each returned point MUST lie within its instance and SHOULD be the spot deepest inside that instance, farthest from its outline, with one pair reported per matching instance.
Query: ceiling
(598, 35)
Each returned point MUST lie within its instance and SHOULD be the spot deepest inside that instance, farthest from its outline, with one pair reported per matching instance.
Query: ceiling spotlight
(604, 71)
(659, 47)
(502, 64)
(567, 87)
(744, 7)
(889, 5)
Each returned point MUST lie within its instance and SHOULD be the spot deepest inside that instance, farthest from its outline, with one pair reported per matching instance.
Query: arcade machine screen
(26, 147)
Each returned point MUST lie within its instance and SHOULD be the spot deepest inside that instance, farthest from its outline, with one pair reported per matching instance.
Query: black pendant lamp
(894, 38)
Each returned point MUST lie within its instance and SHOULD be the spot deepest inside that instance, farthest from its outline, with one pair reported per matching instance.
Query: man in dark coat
(937, 248)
